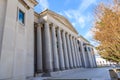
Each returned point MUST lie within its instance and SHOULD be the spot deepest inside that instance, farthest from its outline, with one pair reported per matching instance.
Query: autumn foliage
(107, 30)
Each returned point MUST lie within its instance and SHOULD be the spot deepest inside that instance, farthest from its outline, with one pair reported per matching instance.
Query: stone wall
(17, 53)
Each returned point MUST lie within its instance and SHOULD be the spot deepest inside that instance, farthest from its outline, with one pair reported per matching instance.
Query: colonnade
(57, 49)
(88, 56)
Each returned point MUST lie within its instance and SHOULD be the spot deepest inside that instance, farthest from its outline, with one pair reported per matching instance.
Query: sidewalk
(81, 73)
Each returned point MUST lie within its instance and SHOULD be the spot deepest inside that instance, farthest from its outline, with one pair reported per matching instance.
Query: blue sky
(79, 12)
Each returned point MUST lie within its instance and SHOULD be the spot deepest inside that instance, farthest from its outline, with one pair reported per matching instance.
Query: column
(83, 53)
(94, 60)
(79, 58)
(73, 52)
(60, 50)
(76, 55)
(54, 48)
(69, 52)
(90, 57)
(80, 55)
(65, 50)
(47, 54)
(39, 49)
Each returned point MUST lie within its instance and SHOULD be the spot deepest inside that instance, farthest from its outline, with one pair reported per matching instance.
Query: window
(21, 17)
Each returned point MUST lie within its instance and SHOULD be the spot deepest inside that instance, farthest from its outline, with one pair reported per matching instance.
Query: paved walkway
(90, 74)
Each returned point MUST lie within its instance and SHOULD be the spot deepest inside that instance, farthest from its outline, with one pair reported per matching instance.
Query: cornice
(80, 36)
(24, 4)
(34, 2)
(36, 14)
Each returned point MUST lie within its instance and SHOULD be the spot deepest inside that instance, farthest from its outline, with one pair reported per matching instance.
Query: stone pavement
(80, 73)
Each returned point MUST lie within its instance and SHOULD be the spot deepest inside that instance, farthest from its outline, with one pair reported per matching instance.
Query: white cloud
(86, 3)
(43, 4)
(77, 16)
(93, 42)
(73, 24)
(81, 20)
(89, 35)
(67, 14)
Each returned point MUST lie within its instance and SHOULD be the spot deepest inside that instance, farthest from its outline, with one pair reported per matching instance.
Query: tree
(107, 30)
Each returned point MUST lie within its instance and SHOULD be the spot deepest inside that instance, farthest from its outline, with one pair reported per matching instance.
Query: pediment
(59, 18)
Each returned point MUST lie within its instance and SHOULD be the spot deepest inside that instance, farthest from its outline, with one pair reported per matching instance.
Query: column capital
(60, 29)
(75, 38)
(54, 25)
(40, 25)
(65, 32)
(47, 24)
(69, 34)
(72, 36)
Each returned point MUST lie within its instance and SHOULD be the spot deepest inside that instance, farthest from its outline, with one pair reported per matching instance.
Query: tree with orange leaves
(107, 30)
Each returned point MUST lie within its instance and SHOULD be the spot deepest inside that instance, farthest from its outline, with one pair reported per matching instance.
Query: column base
(39, 71)
(62, 68)
(66, 68)
(48, 70)
(55, 69)
(75, 66)
(71, 67)
(46, 74)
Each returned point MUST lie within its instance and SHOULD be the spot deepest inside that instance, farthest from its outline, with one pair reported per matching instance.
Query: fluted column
(65, 50)
(39, 49)
(79, 58)
(73, 52)
(83, 53)
(76, 55)
(90, 57)
(54, 48)
(47, 54)
(60, 50)
(69, 52)
(93, 54)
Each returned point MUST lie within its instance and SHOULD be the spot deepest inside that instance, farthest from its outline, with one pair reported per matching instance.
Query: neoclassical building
(32, 43)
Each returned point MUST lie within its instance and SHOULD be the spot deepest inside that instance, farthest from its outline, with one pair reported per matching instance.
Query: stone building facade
(32, 43)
